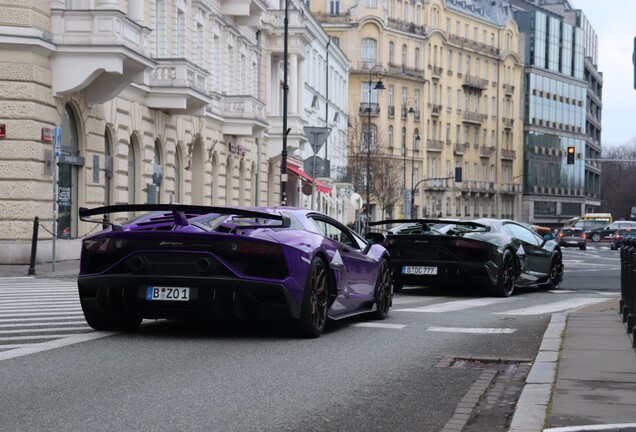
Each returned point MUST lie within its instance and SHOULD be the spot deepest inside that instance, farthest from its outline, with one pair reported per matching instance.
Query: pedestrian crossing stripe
(472, 330)
(549, 308)
(456, 305)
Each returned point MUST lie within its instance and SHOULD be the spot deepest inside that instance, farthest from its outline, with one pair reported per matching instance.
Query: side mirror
(375, 237)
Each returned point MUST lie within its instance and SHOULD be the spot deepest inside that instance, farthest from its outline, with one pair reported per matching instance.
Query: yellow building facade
(451, 74)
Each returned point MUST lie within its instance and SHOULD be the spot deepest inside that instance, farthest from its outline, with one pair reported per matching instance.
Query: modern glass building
(558, 50)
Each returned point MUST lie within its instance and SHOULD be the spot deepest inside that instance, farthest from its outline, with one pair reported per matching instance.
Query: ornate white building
(158, 101)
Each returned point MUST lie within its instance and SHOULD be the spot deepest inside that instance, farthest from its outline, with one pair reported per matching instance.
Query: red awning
(320, 186)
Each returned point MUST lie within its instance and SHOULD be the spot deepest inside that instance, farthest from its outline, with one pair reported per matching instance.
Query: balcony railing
(508, 154)
(474, 117)
(434, 145)
(486, 151)
(508, 122)
(460, 148)
(367, 108)
(474, 82)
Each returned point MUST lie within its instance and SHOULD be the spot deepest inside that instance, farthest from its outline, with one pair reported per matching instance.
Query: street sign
(57, 141)
(315, 166)
(317, 136)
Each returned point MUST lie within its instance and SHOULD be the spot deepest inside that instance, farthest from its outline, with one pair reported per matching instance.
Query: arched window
(177, 175)
(108, 168)
(154, 195)
(132, 174)
(68, 177)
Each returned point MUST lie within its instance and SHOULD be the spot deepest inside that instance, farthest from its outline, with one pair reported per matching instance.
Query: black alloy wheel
(313, 315)
(555, 275)
(383, 294)
(507, 275)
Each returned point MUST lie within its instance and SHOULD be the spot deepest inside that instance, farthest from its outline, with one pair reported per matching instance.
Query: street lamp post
(380, 72)
(416, 144)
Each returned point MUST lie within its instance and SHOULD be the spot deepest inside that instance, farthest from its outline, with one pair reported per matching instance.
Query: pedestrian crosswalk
(37, 310)
(45, 313)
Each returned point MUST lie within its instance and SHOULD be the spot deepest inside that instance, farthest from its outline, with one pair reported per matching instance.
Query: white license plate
(419, 270)
(573, 242)
(167, 293)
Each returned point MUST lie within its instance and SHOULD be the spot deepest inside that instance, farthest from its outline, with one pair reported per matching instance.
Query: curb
(532, 405)
(625, 427)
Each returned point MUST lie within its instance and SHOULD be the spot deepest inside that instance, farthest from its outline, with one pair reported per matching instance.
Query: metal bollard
(34, 246)
(631, 282)
(622, 311)
(626, 304)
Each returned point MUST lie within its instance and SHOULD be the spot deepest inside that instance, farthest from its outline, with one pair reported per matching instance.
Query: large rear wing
(180, 213)
(435, 221)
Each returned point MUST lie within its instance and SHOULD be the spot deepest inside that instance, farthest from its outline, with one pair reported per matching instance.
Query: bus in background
(590, 221)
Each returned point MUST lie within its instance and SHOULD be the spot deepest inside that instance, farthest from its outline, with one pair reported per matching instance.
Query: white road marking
(58, 343)
(456, 305)
(409, 300)
(380, 325)
(472, 330)
(553, 307)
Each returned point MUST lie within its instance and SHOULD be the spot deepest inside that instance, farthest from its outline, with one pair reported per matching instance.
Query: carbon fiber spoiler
(178, 211)
(430, 222)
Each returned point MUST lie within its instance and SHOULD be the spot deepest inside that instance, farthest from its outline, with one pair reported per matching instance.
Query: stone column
(136, 11)
(106, 4)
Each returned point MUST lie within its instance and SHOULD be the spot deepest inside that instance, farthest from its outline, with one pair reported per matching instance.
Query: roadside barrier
(627, 303)
(34, 246)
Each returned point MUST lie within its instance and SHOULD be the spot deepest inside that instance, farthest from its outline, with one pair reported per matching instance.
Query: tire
(596, 237)
(313, 314)
(555, 274)
(583, 247)
(383, 294)
(108, 312)
(507, 275)
(612, 247)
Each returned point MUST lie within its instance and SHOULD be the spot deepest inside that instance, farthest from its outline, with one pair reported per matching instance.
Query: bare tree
(618, 194)
(367, 152)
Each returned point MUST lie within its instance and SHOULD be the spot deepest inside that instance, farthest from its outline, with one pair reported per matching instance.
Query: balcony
(436, 110)
(244, 12)
(100, 51)
(342, 18)
(508, 154)
(460, 148)
(474, 117)
(391, 111)
(242, 114)
(367, 108)
(434, 145)
(436, 72)
(508, 122)
(508, 89)
(178, 87)
(475, 83)
(486, 151)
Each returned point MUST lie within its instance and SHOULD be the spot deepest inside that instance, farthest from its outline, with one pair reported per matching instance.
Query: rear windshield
(572, 231)
(627, 231)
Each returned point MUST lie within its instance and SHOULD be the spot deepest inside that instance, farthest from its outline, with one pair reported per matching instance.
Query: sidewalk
(68, 269)
(584, 376)
(582, 380)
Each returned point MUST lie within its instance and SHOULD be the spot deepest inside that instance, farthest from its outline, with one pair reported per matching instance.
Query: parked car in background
(489, 256)
(572, 237)
(619, 235)
(206, 264)
(606, 231)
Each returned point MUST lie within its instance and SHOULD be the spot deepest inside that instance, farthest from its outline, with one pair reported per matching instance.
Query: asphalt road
(409, 372)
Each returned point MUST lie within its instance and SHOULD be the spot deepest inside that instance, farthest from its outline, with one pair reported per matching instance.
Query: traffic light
(571, 154)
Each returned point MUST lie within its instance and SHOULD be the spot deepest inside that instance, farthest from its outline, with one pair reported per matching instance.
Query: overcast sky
(615, 24)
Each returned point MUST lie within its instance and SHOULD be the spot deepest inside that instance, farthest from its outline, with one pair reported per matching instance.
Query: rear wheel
(313, 315)
(596, 237)
(507, 275)
(383, 295)
(110, 311)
